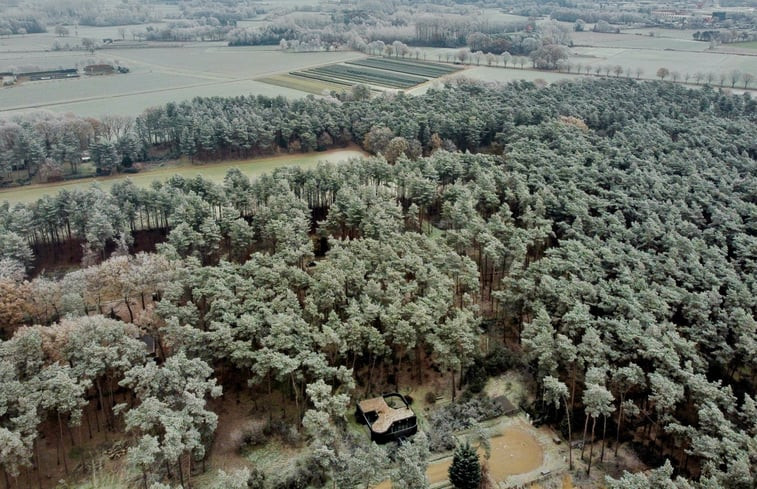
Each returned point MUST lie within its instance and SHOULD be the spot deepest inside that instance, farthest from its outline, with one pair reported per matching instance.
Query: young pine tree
(465, 471)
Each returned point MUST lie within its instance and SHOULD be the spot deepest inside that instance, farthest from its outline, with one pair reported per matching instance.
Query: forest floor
(213, 171)
(521, 454)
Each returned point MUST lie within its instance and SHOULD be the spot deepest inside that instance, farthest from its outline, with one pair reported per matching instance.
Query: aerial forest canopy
(602, 232)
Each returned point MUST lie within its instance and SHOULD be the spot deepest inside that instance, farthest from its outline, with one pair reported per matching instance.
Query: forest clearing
(519, 454)
(212, 171)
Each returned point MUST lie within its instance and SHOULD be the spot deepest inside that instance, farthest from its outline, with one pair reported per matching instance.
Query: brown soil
(514, 452)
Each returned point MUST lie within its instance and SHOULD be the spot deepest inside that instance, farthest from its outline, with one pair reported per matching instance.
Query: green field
(214, 172)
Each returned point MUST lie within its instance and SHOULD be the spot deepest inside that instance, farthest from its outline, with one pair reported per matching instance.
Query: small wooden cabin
(389, 417)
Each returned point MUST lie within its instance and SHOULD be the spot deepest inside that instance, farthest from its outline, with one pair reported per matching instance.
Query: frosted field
(651, 60)
(501, 75)
(640, 39)
(172, 74)
(44, 41)
(220, 61)
(134, 103)
(497, 15)
(158, 76)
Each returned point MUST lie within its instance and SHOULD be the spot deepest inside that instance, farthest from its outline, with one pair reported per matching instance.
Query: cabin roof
(386, 415)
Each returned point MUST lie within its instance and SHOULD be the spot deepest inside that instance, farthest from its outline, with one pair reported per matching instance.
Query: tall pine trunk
(452, 371)
(570, 436)
(181, 473)
(586, 429)
(62, 444)
(620, 420)
(591, 449)
(38, 466)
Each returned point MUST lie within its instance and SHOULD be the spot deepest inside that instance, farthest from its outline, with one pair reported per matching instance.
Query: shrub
(456, 417)
(500, 360)
(476, 377)
(256, 479)
(307, 472)
(287, 433)
(430, 397)
(253, 437)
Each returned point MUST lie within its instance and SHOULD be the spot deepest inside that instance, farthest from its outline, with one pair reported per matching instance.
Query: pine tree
(465, 471)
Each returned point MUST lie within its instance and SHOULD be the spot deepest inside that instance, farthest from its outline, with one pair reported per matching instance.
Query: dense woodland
(603, 233)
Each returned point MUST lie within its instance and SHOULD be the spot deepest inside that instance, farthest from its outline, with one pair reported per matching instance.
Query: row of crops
(370, 76)
(418, 68)
(377, 73)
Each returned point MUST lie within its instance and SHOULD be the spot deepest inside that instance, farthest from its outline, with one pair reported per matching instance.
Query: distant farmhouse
(10, 78)
(99, 69)
(388, 421)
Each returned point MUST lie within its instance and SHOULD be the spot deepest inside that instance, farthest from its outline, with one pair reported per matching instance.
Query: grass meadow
(214, 172)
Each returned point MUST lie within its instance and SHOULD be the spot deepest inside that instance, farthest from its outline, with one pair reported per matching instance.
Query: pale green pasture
(214, 172)
(744, 45)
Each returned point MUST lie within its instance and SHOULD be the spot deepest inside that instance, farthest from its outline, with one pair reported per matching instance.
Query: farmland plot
(502, 75)
(636, 40)
(159, 75)
(378, 73)
(419, 68)
(305, 84)
(369, 76)
(227, 62)
(135, 102)
(650, 60)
